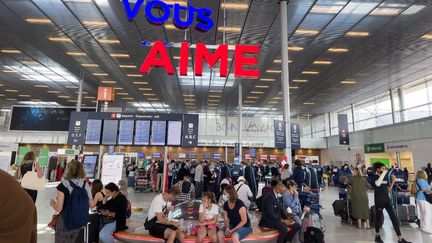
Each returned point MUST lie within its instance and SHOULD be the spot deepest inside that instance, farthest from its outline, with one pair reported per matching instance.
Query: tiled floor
(335, 230)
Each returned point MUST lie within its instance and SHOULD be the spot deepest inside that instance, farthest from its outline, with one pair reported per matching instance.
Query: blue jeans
(243, 232)
(105, 234)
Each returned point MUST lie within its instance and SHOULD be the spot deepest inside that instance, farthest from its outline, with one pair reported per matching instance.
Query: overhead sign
(252, 152)
(343, 129)
(236, 150)
(279, 134)
(397, 147)
(295, 136)
(201, 15)
(105, 94)
(264, 157)
(77, 128)
(244, 55)
(374, 148)
(273, 157)
(190, 131)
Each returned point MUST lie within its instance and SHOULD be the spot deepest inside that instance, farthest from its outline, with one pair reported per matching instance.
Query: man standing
(199, 179)
(274, 215)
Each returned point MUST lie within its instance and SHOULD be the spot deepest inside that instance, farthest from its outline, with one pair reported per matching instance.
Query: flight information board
(174, 133)
(142, 132)
(93, 131)
(126, 130)
(158, 133)
(109, 135)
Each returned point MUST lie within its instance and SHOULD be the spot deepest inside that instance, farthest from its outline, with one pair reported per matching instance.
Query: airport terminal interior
(215, 121)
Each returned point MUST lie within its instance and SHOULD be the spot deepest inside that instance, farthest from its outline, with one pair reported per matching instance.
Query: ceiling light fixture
(357, 34)
(295, 48)
(29, 62)
(100, 74)
(308, 103)
(11, 90)
(262, 86)
(38, 21)
(294, 87)
(53, 92)
(10, 51)
(149, 94)
(108, 82)
(349, 81)
(119, 55)
(306, 32)
(322, 62)
(300, 81)
(280, 61)
(427, 37)
(64, 96)
(124, 94)
(127, 66)
(145, 89)
(78, 54)
(252, 97)
(188, 95)
(229, 29)
(274, 71)
(139, 82)
(235, 6)
(10, 99)
(326, 9)
(310, 72)
(215, 91)
(95, 23)
(89, 65)
(267, 79)
(60, 39)
(386, 11)
(109, 42)
(338, 50)
(257, 92)
(24, 95)
(41, 86)
(134, 75)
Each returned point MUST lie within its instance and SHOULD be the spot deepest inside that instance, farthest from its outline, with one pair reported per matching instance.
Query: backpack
(76, 211)
(186, 187)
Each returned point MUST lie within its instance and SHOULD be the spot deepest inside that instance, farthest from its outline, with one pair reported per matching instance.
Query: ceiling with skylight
(340, 52)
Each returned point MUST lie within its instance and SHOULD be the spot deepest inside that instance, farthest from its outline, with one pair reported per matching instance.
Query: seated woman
(97, 193)
(113, 213)
(208, 217)
(236, 220)
(292, 202)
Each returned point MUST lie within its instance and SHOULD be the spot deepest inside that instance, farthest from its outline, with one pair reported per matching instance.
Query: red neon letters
(158, 57)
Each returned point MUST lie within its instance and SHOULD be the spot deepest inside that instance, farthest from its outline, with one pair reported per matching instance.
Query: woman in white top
(208, 217)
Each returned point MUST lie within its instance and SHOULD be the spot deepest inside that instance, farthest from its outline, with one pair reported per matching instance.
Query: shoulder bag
(32, 181)
(428, 196)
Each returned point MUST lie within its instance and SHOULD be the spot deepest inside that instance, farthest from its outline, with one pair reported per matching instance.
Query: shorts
(159, 230)
(243, 232)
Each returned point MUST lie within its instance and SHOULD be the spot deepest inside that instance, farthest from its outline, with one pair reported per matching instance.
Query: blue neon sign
(201, 15)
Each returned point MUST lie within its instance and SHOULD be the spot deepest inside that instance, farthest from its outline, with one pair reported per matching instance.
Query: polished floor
(335, 230)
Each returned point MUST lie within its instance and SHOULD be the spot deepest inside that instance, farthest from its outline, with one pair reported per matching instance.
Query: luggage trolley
(142, 182)
(405, 211)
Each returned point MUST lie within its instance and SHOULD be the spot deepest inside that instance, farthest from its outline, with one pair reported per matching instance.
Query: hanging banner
(43, 157)
(77, 128)
(252, 152)
(190, 131)
(236, 150)
(343, 129)
(295, 136)
(279, 134)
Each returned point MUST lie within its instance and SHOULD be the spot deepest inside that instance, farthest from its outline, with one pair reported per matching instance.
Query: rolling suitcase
(310, 220)
(407, 213)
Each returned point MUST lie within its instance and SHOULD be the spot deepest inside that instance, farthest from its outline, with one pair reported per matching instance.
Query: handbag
(104, 220)
(32, 181)
(148, 224)
(53, 223)
(428, 196)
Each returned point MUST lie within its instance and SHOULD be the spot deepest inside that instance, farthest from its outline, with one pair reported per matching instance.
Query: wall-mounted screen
(192, 156)
(142, 133)
(158, 133)
(217, 156)
(109, 135)
(89, 163)
(182, 156)
(126, 130)
(156, 155)
(174, 133)
(93, 131)
(41, 118)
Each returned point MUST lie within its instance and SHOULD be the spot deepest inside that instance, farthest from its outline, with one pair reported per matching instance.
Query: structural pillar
(392, 106)
(240, 118)
(285, 78)
(352, 117)
(401, 96)
(79, 100)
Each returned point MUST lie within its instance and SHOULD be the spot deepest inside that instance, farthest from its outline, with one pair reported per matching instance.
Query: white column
(240, 118)
(285, 77)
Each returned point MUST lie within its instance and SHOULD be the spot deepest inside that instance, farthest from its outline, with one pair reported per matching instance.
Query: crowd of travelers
(280, 204)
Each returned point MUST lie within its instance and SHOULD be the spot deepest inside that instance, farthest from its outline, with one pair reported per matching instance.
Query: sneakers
(378, 239)
(403, 241)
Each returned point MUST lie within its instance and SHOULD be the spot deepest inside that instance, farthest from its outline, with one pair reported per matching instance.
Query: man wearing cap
(243, 191)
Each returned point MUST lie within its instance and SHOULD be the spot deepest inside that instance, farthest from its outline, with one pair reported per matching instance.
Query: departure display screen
(126, 132)
(158, 133)
(142, 133)
(174, 133)
(93, 131)
(109, 135)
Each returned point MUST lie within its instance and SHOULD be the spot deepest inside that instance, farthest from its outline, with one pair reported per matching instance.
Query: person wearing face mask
(157, 222)
(236, 220)
(113, 213)
(291, 201)
(274, 215)
(208, 218)
(383, 186)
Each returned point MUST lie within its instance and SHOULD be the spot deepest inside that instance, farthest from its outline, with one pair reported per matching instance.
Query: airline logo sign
(397, 147)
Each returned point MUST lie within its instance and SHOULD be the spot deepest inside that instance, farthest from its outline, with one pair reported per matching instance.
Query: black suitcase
(339, 208)
(313, 235)
(93, 228)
